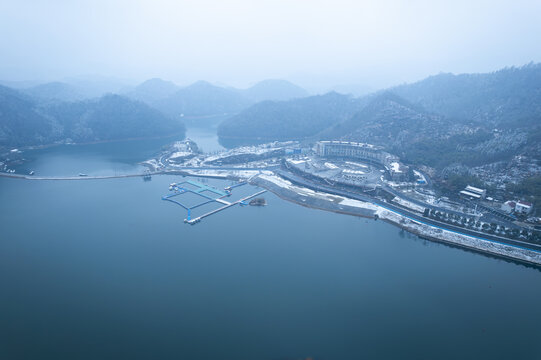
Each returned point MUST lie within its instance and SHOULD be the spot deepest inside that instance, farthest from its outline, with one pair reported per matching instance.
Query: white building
(508, 206)
(481, 192)
(470, 195)
(523, 207)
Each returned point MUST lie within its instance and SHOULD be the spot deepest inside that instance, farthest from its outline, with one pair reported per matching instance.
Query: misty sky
(314, 43)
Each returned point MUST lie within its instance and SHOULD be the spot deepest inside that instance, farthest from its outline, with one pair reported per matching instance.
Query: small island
(258, 202)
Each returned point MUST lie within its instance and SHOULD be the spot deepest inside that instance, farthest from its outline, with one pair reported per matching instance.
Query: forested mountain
(286, 120)
(411, 132)
(277, 90)
(471, 119)
(24, 121)
(111, 117)
(20, 121)
(153, 90)
(507, 98)
(204, 99)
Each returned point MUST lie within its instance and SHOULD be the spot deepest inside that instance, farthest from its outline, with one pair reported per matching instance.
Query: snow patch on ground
(331, 166)
(180, 154)
(409, 204)
(356, 172)
(358, 203)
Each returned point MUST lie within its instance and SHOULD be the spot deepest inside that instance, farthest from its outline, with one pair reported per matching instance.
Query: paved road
(303, 182)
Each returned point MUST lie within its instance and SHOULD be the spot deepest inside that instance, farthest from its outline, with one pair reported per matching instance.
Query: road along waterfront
(323, 197)
(340, 201)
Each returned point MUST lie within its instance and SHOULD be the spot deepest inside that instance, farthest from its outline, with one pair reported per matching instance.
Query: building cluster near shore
(359, 168)
(367, 152)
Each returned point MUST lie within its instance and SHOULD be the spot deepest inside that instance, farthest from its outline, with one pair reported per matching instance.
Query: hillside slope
(287, 120)
(507, 98)
(24, 121)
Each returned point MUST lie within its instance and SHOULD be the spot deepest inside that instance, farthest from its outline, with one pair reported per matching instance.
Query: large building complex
(367, 152)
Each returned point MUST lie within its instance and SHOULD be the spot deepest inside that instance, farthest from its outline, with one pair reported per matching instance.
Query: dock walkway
(197, 219)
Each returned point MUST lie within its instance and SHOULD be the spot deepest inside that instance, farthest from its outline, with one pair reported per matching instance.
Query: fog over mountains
(443, 119)
(203, 98)
(61, 111)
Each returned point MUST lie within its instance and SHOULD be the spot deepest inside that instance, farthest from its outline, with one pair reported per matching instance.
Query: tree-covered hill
(286, 120)
(507, 98)
(411, 132)
(111, 117)
(275, 90)
(24, 121)
(470, 119)
(20, 120)
(202, 99)
(152, 91)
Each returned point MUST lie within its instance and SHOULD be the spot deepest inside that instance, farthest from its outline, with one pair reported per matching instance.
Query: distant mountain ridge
(470, 118)
(501, 98)
(275, 90)
(54, 91)
(153, 90)
(202, 99)
(205, 99)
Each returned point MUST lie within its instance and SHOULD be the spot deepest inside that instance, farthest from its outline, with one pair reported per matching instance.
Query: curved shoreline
(344, 205)
(423, 230)
(50, 145)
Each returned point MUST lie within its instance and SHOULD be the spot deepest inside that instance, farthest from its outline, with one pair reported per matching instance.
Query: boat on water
(81, 174)
(31, 172)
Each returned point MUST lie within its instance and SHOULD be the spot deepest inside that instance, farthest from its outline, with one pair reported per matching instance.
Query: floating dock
(205, 192)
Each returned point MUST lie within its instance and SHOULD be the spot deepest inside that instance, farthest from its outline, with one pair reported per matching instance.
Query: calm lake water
(107, 270)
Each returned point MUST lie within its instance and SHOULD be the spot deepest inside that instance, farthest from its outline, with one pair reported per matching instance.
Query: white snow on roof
(474, 189)
(179, 154)
(331, 165)
(357, 172)
(467, 193)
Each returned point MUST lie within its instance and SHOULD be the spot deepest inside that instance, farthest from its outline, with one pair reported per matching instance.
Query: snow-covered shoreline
(310, 198)
(340, 204)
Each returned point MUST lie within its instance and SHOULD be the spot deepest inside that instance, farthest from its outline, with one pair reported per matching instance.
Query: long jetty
(181, 172)
(85, 177)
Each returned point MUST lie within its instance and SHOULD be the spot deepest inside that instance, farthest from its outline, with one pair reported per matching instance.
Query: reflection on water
(232, 143)
(206, 139)
(106, 269)
(110, 158)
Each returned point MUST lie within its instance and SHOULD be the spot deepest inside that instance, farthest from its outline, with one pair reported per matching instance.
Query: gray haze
(317, 44)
